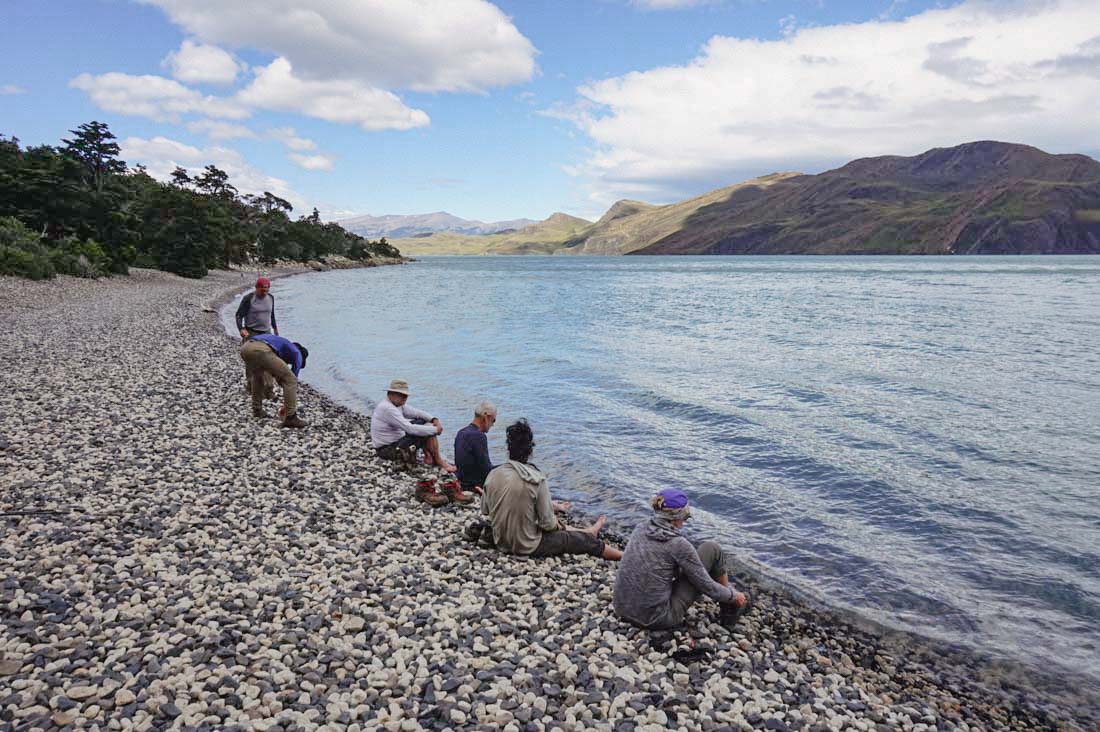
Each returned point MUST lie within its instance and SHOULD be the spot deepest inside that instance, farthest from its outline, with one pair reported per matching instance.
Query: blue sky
(519, 109)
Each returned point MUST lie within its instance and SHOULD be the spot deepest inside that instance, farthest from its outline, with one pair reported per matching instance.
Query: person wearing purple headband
(661, 574)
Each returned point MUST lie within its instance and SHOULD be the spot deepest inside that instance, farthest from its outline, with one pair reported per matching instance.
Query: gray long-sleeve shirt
(654, 559)
(257, 313)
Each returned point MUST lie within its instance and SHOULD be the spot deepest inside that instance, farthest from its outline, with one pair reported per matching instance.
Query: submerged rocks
(167, 561)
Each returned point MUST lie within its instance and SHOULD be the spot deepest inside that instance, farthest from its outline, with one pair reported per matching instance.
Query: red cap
(263, 282)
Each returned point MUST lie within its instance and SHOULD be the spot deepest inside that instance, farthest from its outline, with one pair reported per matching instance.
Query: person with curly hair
(517, 502)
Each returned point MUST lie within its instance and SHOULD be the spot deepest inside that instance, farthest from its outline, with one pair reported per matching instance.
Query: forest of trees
(78, 209)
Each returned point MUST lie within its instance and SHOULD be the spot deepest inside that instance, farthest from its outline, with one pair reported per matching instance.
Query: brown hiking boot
(426, 492)
(293, 421)
(260, 413)
(454, 492)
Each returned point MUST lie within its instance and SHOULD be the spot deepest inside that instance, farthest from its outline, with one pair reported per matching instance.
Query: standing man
(272, 356)
(395, 427)
(256, 315)
(472, 449)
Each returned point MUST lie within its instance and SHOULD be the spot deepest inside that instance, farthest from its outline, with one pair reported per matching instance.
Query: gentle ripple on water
(917, 439)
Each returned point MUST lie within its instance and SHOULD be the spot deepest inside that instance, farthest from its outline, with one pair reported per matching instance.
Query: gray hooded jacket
(656, 557)
(517, 502)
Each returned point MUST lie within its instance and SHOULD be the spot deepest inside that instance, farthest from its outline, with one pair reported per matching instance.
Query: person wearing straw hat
(396, 429)
(662, 574)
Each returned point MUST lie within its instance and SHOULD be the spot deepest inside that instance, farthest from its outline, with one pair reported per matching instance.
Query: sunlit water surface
(914, 439)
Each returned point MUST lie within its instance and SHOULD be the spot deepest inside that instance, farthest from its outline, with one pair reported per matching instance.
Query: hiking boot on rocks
(426, 492)
(486, 540)
(293, 421)
(453, 491)
(729, 614)
(260, 413)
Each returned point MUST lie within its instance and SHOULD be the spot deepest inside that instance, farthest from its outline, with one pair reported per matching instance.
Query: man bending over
(517, 502)
(397, 429)
(274, 357)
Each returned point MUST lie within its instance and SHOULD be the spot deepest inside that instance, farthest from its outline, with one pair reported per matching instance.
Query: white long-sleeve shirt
(389, 424)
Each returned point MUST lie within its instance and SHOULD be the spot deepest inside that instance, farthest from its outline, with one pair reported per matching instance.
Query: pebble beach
(169, 562)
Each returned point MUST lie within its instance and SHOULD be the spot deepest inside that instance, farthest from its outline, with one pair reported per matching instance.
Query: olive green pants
(684, 594)
(261, 362)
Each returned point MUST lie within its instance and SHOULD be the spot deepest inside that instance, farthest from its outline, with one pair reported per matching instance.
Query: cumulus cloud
(155, 97)
(161, 155)
(422, 45)
(313, 162)
(277, 87)
(668, 4)
(198, 63)
(289, 137)
(1013, 71)
(216, 130)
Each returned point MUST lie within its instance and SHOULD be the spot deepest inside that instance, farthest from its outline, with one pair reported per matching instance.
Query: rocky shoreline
(166, 561)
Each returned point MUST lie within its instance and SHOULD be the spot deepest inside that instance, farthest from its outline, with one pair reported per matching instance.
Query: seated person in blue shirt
(472, 449)
(282, 360)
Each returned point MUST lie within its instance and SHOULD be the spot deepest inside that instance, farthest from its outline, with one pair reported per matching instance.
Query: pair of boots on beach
(447, 492)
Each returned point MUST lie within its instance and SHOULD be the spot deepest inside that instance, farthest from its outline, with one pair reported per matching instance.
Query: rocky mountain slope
(631, 225)
(977, 198)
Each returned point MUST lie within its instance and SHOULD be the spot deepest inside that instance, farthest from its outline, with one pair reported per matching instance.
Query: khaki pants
(261, 362)
(269, 383)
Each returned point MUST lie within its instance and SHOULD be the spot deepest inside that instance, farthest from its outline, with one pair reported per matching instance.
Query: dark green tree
(94, 145)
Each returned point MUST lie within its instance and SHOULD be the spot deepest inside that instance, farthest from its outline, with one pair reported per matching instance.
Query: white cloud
(669, 4)
(313, 162)
(161, 155)
(1021, 72)
(423, 45)
(216, 130)
(289, 137)
(276, 87)
(11, 89)
(155, 97)
(198, 63)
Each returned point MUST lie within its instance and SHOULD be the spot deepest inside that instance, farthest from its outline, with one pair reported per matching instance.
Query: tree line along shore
(76, 208)
(167, 562)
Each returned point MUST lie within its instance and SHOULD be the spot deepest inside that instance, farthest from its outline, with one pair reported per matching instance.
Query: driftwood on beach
(167, 560)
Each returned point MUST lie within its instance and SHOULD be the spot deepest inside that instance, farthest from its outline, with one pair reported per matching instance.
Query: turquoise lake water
(913, 439)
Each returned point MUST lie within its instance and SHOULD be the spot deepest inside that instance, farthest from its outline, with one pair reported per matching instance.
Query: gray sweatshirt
(654, 559)
(517, 502)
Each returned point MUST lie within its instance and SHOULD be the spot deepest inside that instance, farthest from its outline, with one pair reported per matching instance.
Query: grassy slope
(541, 238)
(615, 234)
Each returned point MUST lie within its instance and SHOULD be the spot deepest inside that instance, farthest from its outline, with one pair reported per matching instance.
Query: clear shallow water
(917, 439)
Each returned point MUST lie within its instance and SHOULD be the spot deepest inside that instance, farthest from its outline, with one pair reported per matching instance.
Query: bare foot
(450, 468)
(595, 528)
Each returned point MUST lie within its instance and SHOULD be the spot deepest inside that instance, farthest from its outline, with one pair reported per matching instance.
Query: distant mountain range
(394, 227)
(541, 237)
(976, 198)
